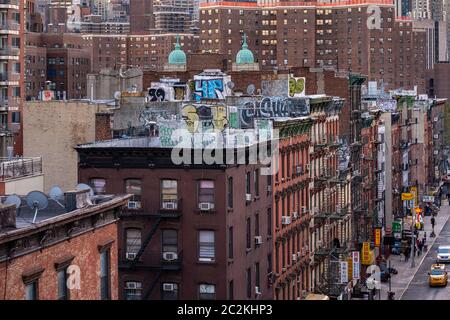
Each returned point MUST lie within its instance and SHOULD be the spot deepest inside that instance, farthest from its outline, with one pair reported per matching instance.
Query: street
(412, 283)
(419, 289)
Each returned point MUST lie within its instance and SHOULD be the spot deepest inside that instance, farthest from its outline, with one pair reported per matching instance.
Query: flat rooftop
(55, 211)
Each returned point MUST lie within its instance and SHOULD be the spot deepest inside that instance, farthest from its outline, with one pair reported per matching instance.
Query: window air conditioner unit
(169, 205)
(295, 215)
(257, 291)
(170, 256)
(294, 257)
(319, 243)
(206, 206)
(304, 209)
(307, 166)
(285, 220)
(132, 285)
(299, 169)
(131, 255)
(168, 287)
(248, 197)
(134, 204)
(258, 240)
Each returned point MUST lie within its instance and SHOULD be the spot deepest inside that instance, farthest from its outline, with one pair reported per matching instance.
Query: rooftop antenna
(38, 201)
(251, 89)
(13, 199)
(57, 194)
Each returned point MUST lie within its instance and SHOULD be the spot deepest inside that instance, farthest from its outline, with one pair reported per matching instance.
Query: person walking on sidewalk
(420, 247)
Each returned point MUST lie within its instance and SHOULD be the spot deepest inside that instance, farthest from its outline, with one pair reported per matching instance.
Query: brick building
(11, 69)
(61, 59)
(291, 207)
(68, 253)
(341, 34)
(176, 244)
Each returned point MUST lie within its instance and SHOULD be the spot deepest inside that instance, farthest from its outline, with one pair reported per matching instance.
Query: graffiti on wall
(209, 89)
(272, 107)
(203, 118)
(387, 104)
(296, 87)
(170, 91)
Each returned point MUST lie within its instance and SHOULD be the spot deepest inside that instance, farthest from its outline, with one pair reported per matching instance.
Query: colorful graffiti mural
(296, 87)
(204, 117)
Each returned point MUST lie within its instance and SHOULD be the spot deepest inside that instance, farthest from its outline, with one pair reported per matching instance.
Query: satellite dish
(84, 186)
(251, 89)
(231, 85)
(57, 194)
(13, 199)
(38, 201)
(117, 95)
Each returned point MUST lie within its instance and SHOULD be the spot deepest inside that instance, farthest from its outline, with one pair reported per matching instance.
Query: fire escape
(169, 262)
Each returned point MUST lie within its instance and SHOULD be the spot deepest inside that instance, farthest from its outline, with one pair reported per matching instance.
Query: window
(247, 183)
(249, 242)
(206, 191)
(249, 283)
(133, 290)
(207, 292)
(16, 115)
(230, 192)
(257, 280)
(133, 242)
(206, 251)
(257, 225)
(269, 221)
(134, 187)
(63, 291)
(169, 241)
(230, 243)
(169, 194)
(231, 290)
(256, 182)
(98, 185)
(31, 291)
(105, 265)
(169, 291)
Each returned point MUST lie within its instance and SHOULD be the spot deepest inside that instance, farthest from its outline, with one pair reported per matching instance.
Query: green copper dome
(245, 55)
(177, 56)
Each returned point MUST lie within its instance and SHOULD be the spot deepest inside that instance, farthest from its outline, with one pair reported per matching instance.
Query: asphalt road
(419, 288)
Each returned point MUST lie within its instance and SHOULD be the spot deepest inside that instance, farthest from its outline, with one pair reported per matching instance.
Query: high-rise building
(11, 69)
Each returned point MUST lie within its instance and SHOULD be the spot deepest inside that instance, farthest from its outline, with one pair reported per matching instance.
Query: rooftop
(53, 213)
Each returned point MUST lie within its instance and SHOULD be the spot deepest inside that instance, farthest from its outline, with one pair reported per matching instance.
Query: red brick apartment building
(310, 34)
(68, 254)
(61, 59)
(291, 207)
(190, 231)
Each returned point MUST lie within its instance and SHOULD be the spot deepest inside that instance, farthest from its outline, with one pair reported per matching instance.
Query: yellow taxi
(438, 275)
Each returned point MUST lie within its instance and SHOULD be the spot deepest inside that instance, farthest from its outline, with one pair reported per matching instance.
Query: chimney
(76, 199)
(7, 216)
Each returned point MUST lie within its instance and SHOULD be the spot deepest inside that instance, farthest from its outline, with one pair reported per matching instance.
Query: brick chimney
(7, 216)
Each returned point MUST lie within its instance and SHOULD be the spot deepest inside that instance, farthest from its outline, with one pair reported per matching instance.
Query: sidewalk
(401, 281)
